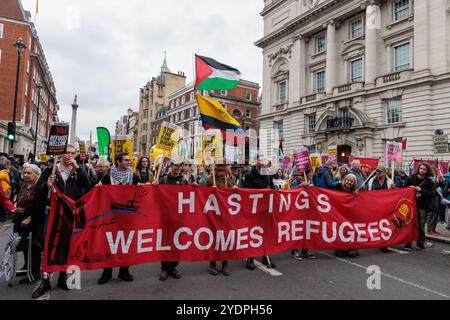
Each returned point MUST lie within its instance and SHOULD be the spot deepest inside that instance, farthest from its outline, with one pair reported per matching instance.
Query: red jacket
(6, 203)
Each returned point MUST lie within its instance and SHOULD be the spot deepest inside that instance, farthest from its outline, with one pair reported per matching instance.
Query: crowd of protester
(24, 191)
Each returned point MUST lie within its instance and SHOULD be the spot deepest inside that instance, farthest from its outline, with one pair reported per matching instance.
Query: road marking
(398, 251)
(270, 271)
(412, 284)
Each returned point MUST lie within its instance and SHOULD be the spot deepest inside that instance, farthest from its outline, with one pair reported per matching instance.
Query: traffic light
(11, 131)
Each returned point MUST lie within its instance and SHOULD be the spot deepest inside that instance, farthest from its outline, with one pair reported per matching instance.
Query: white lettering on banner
(297, 231)
(359, 230)
(212, 205)
(234, 204)
(197, 239)
(190, 201)
(222, 244)
(387, 232)
(351, 233)
(285, 202)
(305, 202)
(176, 238)
(255, 236)
(255, 198)
(347, 232)
(142, 241)
(261, 203)
(120, 239)
(271, 203)
(159, 246)
(309, 229)
(241, 236)
(283, 231)
(324, 200)
(325, 233)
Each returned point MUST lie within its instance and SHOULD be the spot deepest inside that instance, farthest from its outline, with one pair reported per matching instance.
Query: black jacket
(169, 179)
(73, 187)
(254, 180)
(427, 194)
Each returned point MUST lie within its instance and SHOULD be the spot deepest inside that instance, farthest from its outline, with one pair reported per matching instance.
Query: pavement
(416, 275)
(445, 234)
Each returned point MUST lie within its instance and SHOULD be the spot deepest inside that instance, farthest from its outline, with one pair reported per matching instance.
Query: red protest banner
(116, 226)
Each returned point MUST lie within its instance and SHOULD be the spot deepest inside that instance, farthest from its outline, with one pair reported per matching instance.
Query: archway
(343, 154)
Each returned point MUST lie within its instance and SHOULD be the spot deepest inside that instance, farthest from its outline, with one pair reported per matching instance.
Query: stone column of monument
(73, 124)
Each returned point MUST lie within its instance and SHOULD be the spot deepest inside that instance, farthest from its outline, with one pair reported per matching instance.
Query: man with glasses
(121, 174)
(70, 180)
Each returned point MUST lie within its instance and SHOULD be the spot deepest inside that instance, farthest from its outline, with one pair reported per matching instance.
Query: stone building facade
(356, 74)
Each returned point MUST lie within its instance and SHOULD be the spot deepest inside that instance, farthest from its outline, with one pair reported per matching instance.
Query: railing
(392, 77)
(341, 122)
(344, 88)
(311, 97)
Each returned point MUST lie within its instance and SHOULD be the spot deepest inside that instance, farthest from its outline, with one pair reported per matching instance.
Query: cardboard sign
(440, 144)
(332, 150)
(287, 162)
(83, 156)
(394, 151)
(58, 140)
(121, 144)
(169, 135)
(316, 160)
(212, 145)
(302, 161)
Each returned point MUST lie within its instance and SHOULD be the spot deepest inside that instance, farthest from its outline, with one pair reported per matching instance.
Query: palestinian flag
(212, 75)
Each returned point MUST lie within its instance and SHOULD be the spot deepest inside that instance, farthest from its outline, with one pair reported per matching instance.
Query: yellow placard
(43, 157)
(332, 150)
(121, 144)
(212, 146)
(168, 137)
(316, 161)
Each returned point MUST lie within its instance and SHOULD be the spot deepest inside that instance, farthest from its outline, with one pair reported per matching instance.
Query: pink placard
(394, 151)
(302, 159)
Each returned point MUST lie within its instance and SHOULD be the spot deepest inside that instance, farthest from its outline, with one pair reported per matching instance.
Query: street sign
(441, 144)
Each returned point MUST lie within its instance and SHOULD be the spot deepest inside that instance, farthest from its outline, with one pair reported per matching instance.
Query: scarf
(121, 177)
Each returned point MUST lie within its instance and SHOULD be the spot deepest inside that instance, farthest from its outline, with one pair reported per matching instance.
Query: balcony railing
(391, 77)
(340, 123)
(394, 76)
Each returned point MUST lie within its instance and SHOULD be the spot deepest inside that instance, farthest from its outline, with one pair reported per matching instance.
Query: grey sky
(105, 50)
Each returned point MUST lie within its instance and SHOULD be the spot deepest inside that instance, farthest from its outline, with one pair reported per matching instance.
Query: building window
(312, 123)
(183, 100)
(356, 70)
(401, 9)
(1, 30)
(223, 92)
(192, 114)
(321, 43)
(237, 113)
(319, 81)
(248, 113)
(312, 149)
(393, 110)
(282, 94)
(356, 28)
(192, 96)
(248, 96)
(279, 126)
(145, 114)
(177, 104)
(402, 57)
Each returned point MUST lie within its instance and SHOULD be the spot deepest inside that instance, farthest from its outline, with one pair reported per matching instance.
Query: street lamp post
(20, 45)
(38, 87)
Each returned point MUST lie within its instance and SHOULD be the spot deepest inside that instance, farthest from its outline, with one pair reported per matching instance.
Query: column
(302, 75)
(372, 23)
(421, 48)
(330, 73)
(2, 143)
